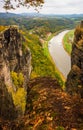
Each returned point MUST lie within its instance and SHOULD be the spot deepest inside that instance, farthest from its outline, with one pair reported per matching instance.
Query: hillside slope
(48, 108)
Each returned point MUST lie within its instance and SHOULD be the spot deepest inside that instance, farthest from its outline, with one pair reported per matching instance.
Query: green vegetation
(2, 28)
(45, 46)
(40, 26)
(67, 41)
(41, 63)
(17, 79)
(35, 30)
(60, 128)
(19, 98)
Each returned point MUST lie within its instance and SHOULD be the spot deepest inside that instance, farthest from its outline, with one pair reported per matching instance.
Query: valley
(41, 72)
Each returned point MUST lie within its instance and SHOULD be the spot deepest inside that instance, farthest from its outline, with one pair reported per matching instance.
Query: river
(61, 59)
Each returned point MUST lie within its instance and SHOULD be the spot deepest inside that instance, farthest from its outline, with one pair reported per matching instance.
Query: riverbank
(59, 76)
(67, 41)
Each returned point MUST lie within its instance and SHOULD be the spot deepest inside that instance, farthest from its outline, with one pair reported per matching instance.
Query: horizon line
(43, 13)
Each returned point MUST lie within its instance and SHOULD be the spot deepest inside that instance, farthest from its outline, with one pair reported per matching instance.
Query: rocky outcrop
(12, 56)
(74, 82)
(7, 108)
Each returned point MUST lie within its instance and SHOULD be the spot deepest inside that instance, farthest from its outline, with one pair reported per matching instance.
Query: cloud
(56, 7)
(63, 6)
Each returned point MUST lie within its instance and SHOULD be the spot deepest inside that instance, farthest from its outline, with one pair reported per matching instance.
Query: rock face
(74, 82)
(12, 56)
(7, 108)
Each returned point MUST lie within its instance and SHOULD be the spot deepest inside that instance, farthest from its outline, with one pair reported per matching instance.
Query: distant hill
(11, 15)
(41, 24)
(8, 15)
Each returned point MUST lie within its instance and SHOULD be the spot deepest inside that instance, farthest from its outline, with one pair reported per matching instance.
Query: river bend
(61, 59)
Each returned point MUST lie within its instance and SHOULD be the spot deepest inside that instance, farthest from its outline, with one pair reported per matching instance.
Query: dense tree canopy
(13, 4)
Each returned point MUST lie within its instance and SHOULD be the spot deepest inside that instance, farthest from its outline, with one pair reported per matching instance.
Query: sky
(53, 7)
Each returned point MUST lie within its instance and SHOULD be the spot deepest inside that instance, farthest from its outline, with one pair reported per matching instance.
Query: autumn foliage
(13, 4)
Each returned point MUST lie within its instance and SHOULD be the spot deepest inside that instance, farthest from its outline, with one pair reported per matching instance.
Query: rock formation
(12, 56)
(74, 82)
(7, 108)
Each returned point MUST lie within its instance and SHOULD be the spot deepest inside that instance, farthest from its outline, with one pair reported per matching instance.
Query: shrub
(19, 98)
(17, 79)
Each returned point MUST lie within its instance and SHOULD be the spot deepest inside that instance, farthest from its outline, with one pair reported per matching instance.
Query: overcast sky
(54, 7)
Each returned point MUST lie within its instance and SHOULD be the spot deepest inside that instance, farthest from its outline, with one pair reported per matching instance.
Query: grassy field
(67, 41)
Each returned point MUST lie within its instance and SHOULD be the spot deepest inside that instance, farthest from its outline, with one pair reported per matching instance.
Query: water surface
(61, 59)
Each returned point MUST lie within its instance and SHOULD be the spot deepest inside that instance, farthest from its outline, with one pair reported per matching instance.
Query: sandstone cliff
(12, 59)
(74, 82)
(12, 56)
(7, 108)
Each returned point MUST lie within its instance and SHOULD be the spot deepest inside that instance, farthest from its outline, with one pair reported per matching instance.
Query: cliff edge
(74, 84)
